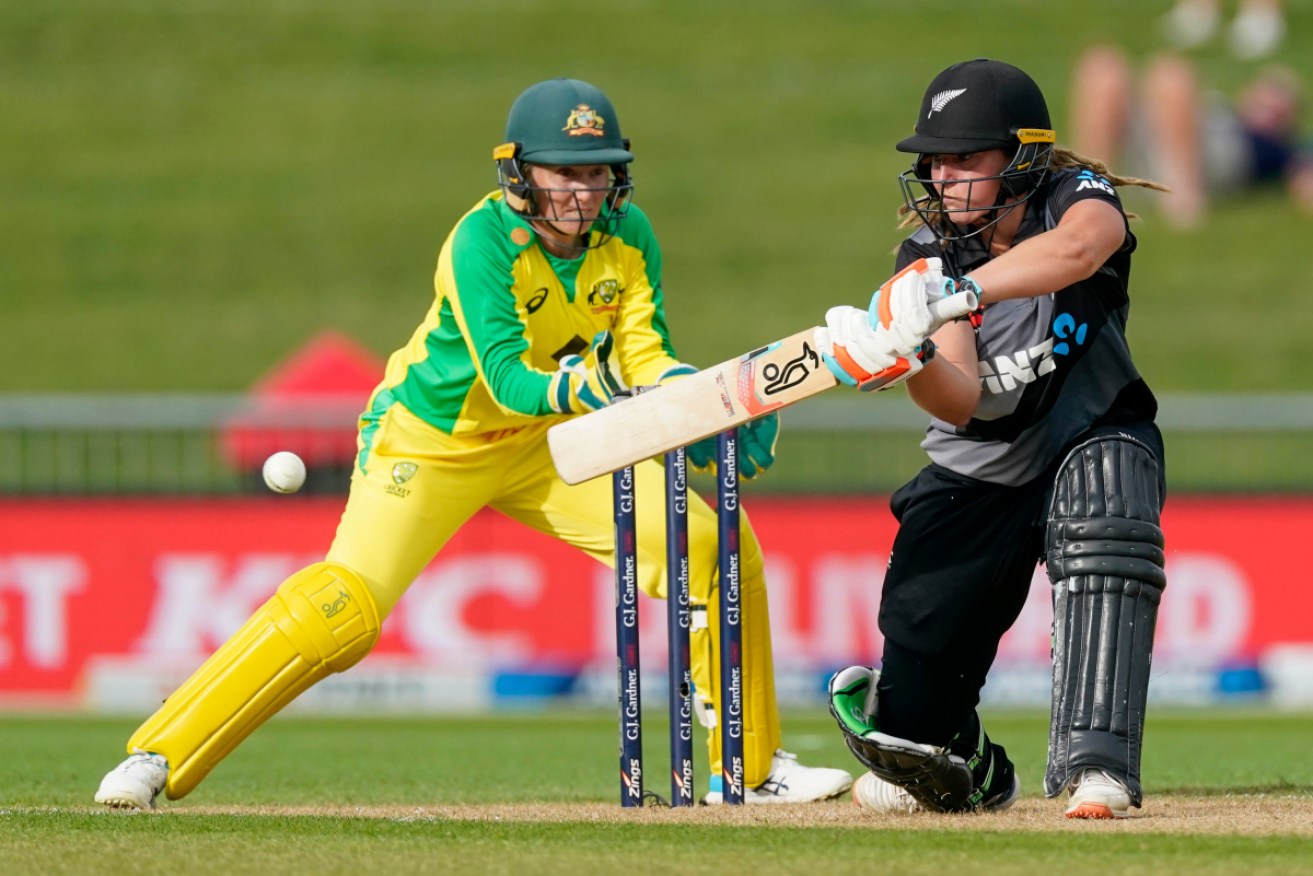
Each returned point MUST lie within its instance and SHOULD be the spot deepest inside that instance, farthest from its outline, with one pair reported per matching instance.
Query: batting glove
(887, 343)
(861, 356)
(902, 305)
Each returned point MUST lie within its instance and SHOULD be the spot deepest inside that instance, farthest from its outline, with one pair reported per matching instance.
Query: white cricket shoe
(874, 793)
(135, 783)
(1095, 794)
(791, 782)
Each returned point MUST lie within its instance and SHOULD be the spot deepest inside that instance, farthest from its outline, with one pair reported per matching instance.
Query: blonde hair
(1062, 159)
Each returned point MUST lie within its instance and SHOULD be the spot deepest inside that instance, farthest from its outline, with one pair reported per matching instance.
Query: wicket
(626, 635)
(678, 624)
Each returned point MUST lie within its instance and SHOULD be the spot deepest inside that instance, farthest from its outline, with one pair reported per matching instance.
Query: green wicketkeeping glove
(586, 383)
(702, 455)
(757, 441)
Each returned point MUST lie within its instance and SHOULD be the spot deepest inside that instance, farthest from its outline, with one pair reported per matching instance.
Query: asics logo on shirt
(536, 301)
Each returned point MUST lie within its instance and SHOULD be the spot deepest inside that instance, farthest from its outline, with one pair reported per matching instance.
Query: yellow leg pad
(322, 620)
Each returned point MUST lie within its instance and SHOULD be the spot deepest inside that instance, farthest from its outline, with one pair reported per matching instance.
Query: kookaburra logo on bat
(791, 373)
(699, 405)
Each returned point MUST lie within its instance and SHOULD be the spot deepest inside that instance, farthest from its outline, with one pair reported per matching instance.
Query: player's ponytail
(1066, 158)
(1063, 159)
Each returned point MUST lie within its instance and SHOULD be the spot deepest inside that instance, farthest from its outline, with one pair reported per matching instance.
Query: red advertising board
(163, 582)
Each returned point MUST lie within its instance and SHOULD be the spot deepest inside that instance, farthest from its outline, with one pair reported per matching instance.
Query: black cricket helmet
(563, 122)
(975, 106)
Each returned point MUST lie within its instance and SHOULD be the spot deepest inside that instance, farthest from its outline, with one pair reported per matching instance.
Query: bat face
(764, 382)
(689, 409)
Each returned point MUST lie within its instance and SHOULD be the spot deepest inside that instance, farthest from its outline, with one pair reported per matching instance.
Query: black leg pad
(1105, 559)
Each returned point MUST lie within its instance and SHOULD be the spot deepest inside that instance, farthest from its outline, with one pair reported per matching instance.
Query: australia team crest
(584, 121)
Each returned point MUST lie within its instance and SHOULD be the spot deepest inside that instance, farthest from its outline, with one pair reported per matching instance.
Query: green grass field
(191, 190)
(535, 792)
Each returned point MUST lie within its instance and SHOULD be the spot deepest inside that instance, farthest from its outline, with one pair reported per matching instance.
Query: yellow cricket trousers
(413, 488)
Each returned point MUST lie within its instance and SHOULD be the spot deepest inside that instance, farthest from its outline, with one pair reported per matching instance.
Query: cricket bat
(711, 401)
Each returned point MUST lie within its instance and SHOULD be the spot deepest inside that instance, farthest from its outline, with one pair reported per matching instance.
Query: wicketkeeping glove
(757, 440)
(586, 383)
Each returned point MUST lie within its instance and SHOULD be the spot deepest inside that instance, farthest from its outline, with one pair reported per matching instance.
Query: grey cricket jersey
(1050, 367)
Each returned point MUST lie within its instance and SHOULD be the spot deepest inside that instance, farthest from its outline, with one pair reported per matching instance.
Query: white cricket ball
(284, 472)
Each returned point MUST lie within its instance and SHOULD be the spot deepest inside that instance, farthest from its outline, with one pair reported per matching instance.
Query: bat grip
(632, 391)
(954, 306)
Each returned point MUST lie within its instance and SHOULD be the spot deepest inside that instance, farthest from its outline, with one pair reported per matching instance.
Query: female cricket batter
(549, 301)
(1042, 444)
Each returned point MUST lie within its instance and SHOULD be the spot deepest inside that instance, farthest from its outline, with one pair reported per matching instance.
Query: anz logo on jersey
(1008, 372)
(1091, 180)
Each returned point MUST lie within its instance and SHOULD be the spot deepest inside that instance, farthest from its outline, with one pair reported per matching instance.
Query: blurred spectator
(1256, 30)
(1198, 143)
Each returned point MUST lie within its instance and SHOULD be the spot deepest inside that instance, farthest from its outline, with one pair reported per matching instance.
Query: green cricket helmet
(564, 122)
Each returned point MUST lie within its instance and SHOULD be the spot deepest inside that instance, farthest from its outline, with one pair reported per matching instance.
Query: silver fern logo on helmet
(940, 100)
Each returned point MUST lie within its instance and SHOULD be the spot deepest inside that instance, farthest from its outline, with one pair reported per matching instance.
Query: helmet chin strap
(518, 203)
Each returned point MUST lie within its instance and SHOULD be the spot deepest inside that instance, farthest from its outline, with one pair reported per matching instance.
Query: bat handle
(954, 306)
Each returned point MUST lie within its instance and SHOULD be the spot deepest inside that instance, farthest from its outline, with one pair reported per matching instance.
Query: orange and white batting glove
(886, 344)
(860, 356)
(902, 305)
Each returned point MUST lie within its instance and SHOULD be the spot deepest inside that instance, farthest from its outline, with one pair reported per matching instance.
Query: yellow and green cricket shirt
(505, 313)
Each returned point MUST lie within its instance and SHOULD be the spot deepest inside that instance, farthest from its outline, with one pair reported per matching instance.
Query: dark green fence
(74, 445)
